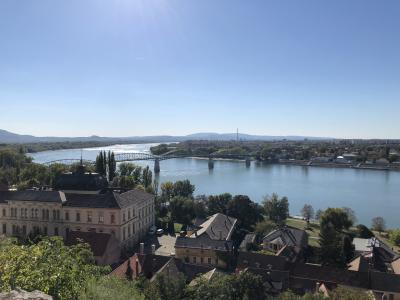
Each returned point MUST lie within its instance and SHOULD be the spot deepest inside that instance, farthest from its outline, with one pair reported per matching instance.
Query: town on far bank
(340, 153)
(88, 231)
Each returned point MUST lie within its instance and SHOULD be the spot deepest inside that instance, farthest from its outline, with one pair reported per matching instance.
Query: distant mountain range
(7, 137)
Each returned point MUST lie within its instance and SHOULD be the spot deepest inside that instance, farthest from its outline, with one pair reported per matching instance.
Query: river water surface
(369, 193)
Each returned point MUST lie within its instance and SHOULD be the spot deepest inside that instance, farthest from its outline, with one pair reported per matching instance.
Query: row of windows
(22, 230)
(89, 217)
(145, 211)
(45, 213)
(200, 260)
(34, 213)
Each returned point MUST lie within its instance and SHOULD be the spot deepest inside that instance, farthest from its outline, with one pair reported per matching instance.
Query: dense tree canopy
(276, 209)
(246, 211)
(182, 209)
(336, 217)
(335, 244)
(218, 203)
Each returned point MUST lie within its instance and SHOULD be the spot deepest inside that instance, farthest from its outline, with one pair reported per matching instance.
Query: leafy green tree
(165, 288)
(35, 171)
(335, 248)
(244, 286)
(350, 214)
(112, 166)
(246, 211)
(200, 207)
(147, 177)
(55, 171)
(318, 214)
(347, 249)
(182, 210)
(378, 224)
(125, 169)
(218, 203)
(307, 212)
(48, 266)
(338, 218)
(167, 190)
(330, 245)
(264, 227)
(183, 188)
(126, 182)
(276, 209)
(100, 166)
(110, 287)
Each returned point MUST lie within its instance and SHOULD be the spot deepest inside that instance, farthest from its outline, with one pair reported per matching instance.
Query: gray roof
(249, 238)
(261, 261)
(108, 199)
(42, 196)
(203, 242)
(217, 227)
(290, 236)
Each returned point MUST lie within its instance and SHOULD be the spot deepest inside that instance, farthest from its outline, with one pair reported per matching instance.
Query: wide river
(369, 193)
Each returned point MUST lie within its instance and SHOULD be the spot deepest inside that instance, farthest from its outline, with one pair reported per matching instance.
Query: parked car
(160, 231)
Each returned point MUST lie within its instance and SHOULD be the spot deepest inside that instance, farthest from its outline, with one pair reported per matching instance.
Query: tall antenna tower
(237, 134)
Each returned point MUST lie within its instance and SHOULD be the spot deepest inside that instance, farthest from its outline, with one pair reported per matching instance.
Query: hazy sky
(144, 67)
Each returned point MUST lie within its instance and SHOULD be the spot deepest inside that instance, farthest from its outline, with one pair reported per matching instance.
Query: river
(369, 193)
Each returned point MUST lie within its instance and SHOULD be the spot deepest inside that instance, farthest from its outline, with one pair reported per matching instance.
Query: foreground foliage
(48, 266)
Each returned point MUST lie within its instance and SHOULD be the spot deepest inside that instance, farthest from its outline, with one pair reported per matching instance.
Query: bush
(48, 266)
(111, 287)
(394, 236)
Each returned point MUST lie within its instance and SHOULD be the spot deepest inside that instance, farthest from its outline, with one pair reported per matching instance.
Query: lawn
(177, 227)
(313, 231)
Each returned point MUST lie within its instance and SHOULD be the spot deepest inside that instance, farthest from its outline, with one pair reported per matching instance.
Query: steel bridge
(122, 157)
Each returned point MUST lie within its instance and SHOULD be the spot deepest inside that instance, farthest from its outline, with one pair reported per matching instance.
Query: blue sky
(145, 67)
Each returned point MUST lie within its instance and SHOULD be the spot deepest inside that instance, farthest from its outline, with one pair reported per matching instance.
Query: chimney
(142, 248)
(137, 267)
(153, 249)
(318, 285)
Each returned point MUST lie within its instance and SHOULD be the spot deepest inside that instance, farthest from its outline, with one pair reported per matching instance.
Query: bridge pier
(248, 162)
(157, 166)
(210, 163)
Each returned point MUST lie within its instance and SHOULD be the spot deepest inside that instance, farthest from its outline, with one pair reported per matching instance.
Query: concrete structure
(211, 245)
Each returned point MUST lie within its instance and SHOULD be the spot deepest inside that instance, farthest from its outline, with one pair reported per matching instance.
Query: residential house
(286, 241)
(210, 245)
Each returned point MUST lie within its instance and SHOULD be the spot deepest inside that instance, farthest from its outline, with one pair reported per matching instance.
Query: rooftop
(289, 236)
(97, 241)
(217, 227)
(107, 199)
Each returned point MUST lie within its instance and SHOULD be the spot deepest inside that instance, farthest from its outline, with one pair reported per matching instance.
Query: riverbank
(361, 166)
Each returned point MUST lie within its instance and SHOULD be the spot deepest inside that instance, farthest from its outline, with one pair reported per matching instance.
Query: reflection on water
(369, 193)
